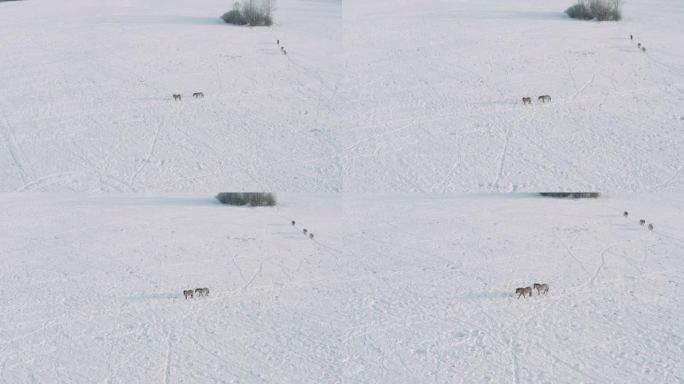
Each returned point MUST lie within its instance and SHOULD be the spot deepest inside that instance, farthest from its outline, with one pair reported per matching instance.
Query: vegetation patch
(252, 12)
(571, 195)
(600, 10)
(252, 199)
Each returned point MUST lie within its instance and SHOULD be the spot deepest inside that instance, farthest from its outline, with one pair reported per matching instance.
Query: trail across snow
(394, 288)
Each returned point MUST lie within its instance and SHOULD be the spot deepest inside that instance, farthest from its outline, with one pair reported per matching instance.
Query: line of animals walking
(190, 293)
(542, 289)
(542, 99)
(196, 95)
(282, 47)
(639, 45)
(304, 231)
(642, 222)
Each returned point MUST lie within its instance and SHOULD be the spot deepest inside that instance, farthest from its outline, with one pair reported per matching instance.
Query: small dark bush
(254, 199)
(234, 17)
(571, 195)
(604, 10)
(253, 12)
(257, 13)
(579, 11)
(601, 10)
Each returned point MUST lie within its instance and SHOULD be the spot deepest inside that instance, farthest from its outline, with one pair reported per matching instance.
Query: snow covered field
(87, 97)
(393, 289)
(433, 92)
(380, 112)
(92, 290)
(374, 96)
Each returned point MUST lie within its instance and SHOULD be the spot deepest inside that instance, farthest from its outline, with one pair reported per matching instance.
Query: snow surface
(374, 96)
(434, 94)
(393, 289)
(87, 97)
(383, 96)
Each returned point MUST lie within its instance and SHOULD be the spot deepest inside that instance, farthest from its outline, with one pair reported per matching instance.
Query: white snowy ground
(374, 96)
(393, 289)
(92, 290)
(433, 91)
(86, 97)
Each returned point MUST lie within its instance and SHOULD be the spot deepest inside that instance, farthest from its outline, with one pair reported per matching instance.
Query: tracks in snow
(256, 273)
(587, 84)
(14, 150)
(514, 360)
(167, 361)
(502, 158)
(600, 267)
(147, 158)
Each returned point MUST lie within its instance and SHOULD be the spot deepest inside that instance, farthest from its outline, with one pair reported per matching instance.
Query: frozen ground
(433, 92)
(374, 96)
(86, 102)
(393, 289)
(92, 290)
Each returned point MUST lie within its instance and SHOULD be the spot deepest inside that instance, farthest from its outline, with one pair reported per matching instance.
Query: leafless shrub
(579, 11)
(258, 12)
(252, 12)
(571, 195)
(601, 10)
(254, 199)
(234, 16)
(606, 10)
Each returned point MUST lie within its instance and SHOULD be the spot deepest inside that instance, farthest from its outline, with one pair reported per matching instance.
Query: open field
(87, 97)
(393, 288)
(433, 92)
(403, 96)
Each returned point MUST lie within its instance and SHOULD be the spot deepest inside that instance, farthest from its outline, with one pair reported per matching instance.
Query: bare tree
(252, 12)
(258, 12)
(601, 10)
